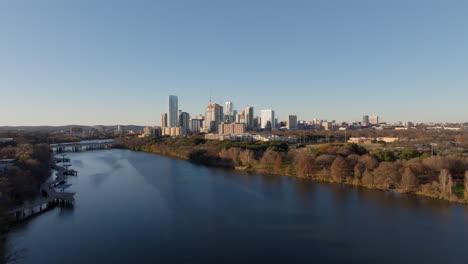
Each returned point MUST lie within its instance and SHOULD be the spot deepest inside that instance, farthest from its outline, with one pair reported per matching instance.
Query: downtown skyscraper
(292, 122)
(184, 123)
(173, 111)
(213, 117)
(268, 120)
(164, 120)
(249, 117)
(229, 112)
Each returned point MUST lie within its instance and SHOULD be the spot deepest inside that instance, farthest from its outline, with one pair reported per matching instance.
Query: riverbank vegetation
(19, 182)
(31, 167)
(443, 142)
(405, 170)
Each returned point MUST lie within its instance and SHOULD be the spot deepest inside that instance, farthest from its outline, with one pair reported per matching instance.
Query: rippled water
(143, 208)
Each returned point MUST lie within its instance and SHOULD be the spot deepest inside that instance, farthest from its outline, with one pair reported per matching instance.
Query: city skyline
(65, 63)
(221, 122)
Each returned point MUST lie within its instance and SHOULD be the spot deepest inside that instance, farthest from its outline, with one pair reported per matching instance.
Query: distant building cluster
(250, 137)
(218, 119)
(369, 140)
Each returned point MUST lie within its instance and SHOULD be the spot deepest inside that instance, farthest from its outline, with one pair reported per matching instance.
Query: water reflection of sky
(150, 208)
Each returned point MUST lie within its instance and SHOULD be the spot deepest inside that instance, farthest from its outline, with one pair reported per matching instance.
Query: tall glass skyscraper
(173, 111)
(230, 110)
(249, 117)
(184, 119)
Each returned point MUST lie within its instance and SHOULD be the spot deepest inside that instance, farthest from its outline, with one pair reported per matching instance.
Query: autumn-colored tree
(325, 160)
(323, 174)
(418, 168)
(387, 175)
(408, 180)
(449, 186)
(367, 179)
(344, 150)
(353, 159)
(340, 170)
(370, 162)
(463, 139)
(356, 181)
(247, 157)
(452, 163)
(358, 172)
(268, 160)
(304, 163)
(230, 154)
(431, 189)
(445, 183)
(278, 163)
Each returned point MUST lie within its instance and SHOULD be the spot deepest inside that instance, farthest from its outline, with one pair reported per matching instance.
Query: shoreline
(312, 178)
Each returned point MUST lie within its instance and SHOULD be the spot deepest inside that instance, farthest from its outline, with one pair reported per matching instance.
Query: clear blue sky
(115, 62)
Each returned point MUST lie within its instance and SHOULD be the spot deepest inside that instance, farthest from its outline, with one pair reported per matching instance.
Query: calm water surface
(142, 208)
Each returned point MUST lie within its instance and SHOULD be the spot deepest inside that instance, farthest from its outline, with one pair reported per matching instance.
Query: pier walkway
(50, 196)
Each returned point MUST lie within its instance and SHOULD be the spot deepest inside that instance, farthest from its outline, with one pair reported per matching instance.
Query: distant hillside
(59, 128)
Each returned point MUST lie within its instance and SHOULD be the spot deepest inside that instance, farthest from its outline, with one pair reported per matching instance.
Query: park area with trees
(407, 170)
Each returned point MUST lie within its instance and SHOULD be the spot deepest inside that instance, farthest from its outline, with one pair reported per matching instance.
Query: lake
(142, 208)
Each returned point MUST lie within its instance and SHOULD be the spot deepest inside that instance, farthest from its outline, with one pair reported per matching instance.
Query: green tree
(408, 154)
(385, 156)
(358, 149)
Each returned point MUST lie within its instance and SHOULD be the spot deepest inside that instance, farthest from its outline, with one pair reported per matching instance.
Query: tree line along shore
(403, 170)
(20, 182)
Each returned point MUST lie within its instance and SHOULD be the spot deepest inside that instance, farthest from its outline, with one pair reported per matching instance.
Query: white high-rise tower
(229, 108)
(268, 120)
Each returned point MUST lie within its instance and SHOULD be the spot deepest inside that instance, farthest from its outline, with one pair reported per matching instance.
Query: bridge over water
(81, 146)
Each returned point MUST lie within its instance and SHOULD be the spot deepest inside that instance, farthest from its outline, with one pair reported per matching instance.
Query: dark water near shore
(142, 208)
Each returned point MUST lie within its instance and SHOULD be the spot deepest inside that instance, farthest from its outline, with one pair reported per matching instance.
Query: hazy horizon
(87, 63)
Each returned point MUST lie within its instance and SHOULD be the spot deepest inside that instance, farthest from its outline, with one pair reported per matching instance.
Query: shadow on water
(98, 178)
(113, 160)
(78, 163)
(66, 212)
